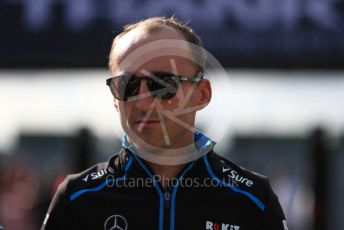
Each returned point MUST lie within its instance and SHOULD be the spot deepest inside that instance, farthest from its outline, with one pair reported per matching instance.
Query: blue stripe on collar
(202, 142)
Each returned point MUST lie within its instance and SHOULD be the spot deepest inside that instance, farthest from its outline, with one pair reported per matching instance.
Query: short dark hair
(156, 22)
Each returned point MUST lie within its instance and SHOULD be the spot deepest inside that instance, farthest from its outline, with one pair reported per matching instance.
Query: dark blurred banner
(245, 33)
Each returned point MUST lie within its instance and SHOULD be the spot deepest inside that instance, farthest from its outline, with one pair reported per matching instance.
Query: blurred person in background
(18, 195)
(158, 86)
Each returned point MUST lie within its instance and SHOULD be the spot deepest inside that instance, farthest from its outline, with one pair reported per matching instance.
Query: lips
(147, 123)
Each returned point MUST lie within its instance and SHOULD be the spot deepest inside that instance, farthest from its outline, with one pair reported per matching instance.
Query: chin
(151, 142)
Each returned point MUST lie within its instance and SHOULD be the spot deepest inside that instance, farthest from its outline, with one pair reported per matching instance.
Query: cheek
(176, 111)
(189, 96)
(125, 111)
(183, 100)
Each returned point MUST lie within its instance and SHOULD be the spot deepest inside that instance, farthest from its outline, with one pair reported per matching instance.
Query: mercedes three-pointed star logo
(116, 222)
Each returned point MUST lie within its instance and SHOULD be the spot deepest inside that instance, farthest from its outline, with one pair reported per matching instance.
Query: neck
(170, 166)
(179, 152)
(168, 172)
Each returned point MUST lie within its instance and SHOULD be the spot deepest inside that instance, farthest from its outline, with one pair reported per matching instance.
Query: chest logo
(99, 174)
(236, 178)
(209, 225)
(116, 222)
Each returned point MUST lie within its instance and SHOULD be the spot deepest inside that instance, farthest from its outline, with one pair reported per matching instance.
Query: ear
(203, 94)
(115, 102)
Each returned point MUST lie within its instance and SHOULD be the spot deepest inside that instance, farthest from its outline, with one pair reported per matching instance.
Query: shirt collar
(203, 145)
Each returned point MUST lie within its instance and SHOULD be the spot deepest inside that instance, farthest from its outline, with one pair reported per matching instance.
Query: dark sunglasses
(162, 85)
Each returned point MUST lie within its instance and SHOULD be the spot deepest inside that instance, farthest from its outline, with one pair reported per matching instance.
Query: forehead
(162, 47)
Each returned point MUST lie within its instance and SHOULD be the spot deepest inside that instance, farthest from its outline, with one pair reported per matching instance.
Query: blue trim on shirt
(174, 193)
(203, 143)
(105, 183)
(161, 195)
(231, 186)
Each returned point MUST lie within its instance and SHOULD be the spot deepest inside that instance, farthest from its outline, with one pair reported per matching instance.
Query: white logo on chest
(99, 174)
(237, 178)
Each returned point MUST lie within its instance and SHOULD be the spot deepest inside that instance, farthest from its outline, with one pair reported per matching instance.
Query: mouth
(146, 123)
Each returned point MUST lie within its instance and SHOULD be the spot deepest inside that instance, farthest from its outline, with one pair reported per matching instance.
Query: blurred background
(284, 58)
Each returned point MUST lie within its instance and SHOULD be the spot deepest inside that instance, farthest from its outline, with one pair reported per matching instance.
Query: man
(158, 86)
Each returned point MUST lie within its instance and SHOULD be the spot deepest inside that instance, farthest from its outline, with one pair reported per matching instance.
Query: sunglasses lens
(124, 87)
(163, 85)
(132, 87)
(160, 85)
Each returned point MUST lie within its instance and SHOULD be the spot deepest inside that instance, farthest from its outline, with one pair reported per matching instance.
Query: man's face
(148, 120)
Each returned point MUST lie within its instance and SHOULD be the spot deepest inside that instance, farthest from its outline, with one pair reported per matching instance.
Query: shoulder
(60, 212)
(240, 176)
(254, 186)
(94, 176)
(241, 180)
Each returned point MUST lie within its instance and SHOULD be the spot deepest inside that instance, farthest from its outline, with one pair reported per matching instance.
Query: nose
(144, 99)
